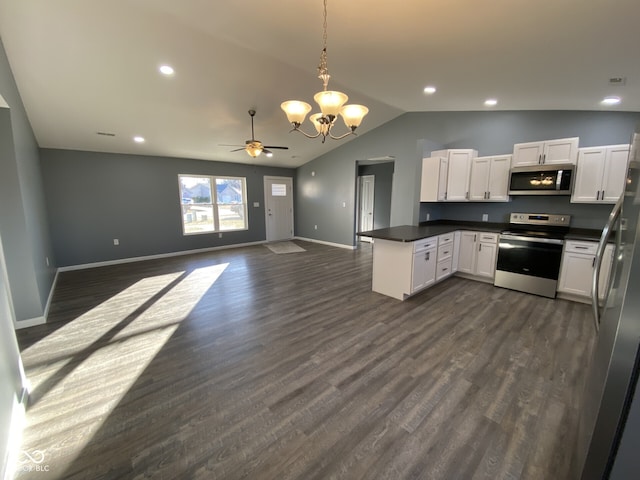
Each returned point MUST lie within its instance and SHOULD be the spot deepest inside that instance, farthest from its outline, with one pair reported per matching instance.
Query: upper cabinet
(433, 187)
(490, 179)
(458, 172)
(563, 150)
(601, 174)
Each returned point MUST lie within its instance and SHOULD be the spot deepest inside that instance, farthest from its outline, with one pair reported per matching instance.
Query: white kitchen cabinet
(477, 254)
(424, 263)
(433, 185)
(458, 172)
(563, 150)
(486, 255)
(403, 268)
(600, 174)
(489, 180)
(467, 252)
(444, 267)
(576, 270)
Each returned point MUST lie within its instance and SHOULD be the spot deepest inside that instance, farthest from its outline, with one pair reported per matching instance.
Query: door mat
(284, 247)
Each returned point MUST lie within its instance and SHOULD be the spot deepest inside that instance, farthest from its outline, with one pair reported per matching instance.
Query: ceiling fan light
(254, 150)
(296, 111)
(353, 115)
(330, 102)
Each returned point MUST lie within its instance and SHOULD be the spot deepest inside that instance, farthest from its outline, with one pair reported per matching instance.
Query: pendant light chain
(323, 71)
(331, 103)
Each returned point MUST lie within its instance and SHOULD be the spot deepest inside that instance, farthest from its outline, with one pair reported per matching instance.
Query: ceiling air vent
(106, 134)
(620, 81)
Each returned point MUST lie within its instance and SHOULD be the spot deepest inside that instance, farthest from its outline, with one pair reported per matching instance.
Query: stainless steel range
(530, 252)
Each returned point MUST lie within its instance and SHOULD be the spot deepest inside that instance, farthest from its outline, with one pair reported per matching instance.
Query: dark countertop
(583, 234)
(411, 233)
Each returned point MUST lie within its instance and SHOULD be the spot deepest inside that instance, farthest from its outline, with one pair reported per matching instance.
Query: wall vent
(620, 81)
(106, 134)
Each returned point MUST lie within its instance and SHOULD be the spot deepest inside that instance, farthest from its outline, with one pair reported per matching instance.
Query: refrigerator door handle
(607, 231)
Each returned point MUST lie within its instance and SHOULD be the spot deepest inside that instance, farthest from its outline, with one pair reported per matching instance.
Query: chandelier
(331, 103)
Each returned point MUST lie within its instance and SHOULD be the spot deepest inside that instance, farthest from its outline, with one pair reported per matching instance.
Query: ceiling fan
(255, 147)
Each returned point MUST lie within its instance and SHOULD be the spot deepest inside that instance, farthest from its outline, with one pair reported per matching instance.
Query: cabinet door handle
(544, 158)
(539, 159)
(580, 247)
(480, 248)
(426, 257)
(474, 237)
(593, 263)
(467, 196)
(602, 196)
(598, 195)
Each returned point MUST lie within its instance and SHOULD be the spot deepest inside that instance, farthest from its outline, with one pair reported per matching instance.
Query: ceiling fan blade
(229, 145)
(279, 148)
(238, 149)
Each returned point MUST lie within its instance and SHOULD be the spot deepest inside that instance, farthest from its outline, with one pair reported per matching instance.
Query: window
(212, 204)
(278, 190)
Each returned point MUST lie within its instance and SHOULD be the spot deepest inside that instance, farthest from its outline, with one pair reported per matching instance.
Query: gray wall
(414, 135)
(11, 371)
(23, 213)
(383, 185)
(96, 197)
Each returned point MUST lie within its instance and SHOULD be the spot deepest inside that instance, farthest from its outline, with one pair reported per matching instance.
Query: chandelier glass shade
(330, 102)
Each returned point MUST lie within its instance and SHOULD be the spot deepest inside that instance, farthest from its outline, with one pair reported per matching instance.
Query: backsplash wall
(583, 215)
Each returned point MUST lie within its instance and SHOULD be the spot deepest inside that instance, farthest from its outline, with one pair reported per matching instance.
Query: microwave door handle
(604, 239)
(559, 179)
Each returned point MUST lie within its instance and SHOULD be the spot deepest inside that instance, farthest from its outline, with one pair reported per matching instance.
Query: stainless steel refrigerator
(609, 419)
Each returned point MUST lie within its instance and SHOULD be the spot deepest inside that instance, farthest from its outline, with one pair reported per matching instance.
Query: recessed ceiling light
(138, 139)
(429, 90)
(610, 101)
(491, 102)
(166, 70)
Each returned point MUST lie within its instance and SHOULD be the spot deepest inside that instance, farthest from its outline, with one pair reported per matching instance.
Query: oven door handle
(555, 241)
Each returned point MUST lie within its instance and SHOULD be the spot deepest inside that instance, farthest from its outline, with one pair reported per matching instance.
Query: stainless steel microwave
(542, 180)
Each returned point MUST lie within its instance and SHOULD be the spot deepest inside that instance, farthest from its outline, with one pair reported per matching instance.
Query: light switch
(256, 204)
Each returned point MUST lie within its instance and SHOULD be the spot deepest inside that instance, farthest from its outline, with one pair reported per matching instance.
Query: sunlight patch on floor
(120, 361)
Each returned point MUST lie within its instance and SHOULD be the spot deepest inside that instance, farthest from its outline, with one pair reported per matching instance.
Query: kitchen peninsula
(408, 258)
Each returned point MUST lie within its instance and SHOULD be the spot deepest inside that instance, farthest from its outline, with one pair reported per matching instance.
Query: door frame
(359, 204)
(289, 181)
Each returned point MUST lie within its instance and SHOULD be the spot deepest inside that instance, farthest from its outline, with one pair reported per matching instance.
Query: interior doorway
(366, 189)
(278, 207)
(373, 196)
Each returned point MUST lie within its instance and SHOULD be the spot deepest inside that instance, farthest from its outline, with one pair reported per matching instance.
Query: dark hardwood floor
(246, 364)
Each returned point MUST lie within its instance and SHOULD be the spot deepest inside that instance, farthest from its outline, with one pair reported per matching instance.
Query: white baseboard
(15, 439)
(50, 297)
(331, 244)
(30, 322)
(153, 257)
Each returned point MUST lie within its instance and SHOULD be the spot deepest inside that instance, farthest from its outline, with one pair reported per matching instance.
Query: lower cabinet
(478, 252)
(424, 269)
(576, 270)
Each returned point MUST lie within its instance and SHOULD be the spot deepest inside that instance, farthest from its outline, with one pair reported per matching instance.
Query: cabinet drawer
(573, 246)
(445, 251)
(425, 244)
(444, 268)
(488, 237)
(445, 238)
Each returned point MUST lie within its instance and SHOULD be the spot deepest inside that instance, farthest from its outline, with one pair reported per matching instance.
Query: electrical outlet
(116, 241)
(485, 217)
(315, 227)
(256, 204)
(220, 235)
(428, 217)
(344, 204)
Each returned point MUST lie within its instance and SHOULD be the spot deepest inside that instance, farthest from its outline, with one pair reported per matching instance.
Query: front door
(366, 185)
(278, 200)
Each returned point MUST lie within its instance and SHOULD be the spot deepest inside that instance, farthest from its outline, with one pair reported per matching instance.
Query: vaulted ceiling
(88, 66)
